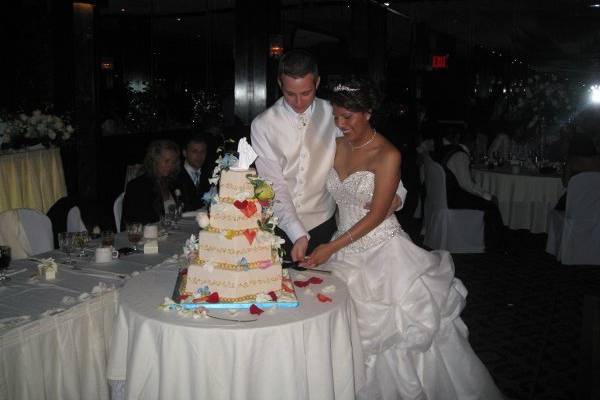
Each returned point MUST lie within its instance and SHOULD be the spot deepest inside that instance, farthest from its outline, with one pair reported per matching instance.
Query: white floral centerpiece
(26, 130)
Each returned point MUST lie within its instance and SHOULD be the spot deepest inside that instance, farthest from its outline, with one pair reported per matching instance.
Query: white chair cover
(574, 236)
(118, 210)
(13, 234)
(457, 231)
(74, 221)
(132, 172)
(38, 228)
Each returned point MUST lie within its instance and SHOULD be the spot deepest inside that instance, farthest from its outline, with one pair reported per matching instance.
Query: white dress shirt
(459, 163)
(192, 172)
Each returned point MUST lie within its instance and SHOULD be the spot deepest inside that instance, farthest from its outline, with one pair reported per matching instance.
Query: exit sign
(439, 61)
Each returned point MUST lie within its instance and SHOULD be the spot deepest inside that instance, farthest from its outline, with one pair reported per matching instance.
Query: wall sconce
(276, 46)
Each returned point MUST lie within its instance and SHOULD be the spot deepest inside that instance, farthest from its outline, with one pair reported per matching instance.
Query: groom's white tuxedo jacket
(296, 160)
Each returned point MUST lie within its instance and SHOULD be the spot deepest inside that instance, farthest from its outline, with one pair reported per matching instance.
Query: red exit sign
(439, 61)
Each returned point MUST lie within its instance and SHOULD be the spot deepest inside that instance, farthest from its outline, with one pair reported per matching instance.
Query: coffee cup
(105, 254)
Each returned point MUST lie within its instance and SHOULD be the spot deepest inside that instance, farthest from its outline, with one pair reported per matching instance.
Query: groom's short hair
(297, 64)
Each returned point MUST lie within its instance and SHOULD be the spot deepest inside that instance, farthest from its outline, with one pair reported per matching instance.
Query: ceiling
(560, 35)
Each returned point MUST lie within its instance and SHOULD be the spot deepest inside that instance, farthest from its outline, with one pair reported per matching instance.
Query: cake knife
(294, 265)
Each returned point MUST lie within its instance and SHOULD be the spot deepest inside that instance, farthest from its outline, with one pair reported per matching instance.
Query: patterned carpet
(524, 313)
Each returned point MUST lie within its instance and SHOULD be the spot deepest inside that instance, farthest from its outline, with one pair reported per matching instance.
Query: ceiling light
(596, 5)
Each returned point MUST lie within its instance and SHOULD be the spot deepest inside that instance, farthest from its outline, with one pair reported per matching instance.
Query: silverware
(294, 265)
(232, 319)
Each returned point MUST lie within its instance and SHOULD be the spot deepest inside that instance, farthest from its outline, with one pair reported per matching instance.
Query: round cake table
(524, 199)
(309, 352)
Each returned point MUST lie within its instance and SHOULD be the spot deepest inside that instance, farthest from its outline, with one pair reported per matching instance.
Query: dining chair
(118, 210)
(28, 232)
(457, 231)
(74, 221)
(574, 234)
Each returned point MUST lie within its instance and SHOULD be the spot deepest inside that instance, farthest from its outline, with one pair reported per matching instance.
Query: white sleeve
(269, 169)
(459, 165)
(401, 192)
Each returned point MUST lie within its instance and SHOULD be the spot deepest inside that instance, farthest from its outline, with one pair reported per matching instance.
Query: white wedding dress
(408, 305)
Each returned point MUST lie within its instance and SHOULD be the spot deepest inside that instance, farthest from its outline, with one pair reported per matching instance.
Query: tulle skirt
(414, 342)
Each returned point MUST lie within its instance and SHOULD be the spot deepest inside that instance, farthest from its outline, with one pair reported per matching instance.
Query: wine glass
(4, 262)
(81, 240)
(135, 231)
(65, 241)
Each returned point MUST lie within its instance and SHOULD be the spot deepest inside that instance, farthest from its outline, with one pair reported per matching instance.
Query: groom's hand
(299, 249)
(396, 203)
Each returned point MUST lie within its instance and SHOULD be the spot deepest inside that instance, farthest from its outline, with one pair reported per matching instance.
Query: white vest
(305, 158)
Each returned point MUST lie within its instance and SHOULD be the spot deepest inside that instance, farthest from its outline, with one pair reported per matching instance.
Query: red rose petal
(322, 298)
(213, 298)
(255, 310)
(181, 297)
(315, 280)
(301, 283)
(273, 296)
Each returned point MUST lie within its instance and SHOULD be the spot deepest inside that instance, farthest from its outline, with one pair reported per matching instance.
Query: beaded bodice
(351, 195)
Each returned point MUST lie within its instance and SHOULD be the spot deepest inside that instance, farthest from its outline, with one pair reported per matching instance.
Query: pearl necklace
(365, 143)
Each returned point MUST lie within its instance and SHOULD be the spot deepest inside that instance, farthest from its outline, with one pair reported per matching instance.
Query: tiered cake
(237, 253)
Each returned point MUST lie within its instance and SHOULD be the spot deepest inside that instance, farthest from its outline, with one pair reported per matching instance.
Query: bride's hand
(320, 255)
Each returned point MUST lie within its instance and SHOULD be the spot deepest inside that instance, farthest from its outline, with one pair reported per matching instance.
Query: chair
(458, 231)
(74, 221)
(574, 235)
(28, 232)
(118, 210)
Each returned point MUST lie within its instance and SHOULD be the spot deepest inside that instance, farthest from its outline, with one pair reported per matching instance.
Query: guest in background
(193, 177)
(582, 157)
(149, 195)
(501, 144)
(463, 193)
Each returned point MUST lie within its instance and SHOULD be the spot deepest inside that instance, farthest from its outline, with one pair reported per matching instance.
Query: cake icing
(236, 255)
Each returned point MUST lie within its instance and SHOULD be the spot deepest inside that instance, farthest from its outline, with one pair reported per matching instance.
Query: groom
(295, 143)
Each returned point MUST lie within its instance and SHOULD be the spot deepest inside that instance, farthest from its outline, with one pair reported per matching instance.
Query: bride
(407, 299)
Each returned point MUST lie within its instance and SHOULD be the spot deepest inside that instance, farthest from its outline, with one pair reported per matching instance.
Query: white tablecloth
(54, 343)
(524, 199)
(311, 352)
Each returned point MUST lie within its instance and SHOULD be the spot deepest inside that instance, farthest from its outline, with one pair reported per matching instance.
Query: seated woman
(148, 196)
(582, 157)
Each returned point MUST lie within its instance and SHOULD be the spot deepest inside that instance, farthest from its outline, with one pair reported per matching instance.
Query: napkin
(246, 156)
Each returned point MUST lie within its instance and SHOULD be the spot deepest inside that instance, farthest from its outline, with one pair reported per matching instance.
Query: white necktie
(196, 178)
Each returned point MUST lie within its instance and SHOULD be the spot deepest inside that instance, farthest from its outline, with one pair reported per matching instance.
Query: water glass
(81, 240)
(108, 238)
(5, 257)
(135, 232)
(65, 241)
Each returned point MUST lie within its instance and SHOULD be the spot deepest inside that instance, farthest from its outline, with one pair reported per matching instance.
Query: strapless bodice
(351, 195)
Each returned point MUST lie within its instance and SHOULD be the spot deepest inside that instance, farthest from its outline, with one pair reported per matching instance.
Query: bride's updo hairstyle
(356, 94)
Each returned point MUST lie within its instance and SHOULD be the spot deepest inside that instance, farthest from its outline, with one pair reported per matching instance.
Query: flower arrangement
(26, 130)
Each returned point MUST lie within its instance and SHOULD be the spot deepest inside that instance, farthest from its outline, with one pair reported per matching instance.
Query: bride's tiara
(343, 88)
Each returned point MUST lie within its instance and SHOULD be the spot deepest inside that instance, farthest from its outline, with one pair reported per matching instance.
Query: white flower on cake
(202, 219)
(263, 298)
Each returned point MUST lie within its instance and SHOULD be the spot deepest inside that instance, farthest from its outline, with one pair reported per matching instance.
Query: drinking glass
(81, 240)
(65, 241)
(135, 232)
(4, 262)
(108, 238)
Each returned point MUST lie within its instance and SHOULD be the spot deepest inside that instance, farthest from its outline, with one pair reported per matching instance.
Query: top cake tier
(235, 185)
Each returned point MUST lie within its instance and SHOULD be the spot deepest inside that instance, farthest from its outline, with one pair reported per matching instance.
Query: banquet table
(309, 352)
(524, 198)
(31, 179)
(55, 335)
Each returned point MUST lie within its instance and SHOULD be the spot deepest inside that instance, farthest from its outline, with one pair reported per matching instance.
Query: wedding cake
(236, 254)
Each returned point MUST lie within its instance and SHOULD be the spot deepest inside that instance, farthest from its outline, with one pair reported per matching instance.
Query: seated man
(192, 180)
(463, 193)
(582, 157)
